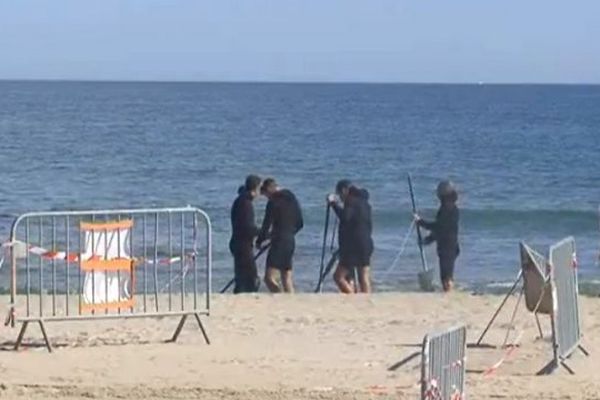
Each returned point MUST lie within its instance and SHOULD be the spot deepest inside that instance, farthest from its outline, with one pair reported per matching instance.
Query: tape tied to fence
(434, 393)
(74, 257)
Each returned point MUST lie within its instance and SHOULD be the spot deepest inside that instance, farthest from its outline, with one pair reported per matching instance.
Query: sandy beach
(293, 347)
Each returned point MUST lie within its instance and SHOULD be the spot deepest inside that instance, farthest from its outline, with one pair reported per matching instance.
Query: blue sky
(302, 40)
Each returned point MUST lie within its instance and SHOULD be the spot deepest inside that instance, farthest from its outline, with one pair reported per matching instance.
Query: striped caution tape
(434, 393)
(512, 348)
(74, 257)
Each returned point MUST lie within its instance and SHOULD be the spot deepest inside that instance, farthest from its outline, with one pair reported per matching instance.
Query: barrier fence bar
(106, 254)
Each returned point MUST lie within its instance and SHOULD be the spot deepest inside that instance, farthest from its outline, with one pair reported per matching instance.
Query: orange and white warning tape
(74, 257)
(433, 392)
(512, 348)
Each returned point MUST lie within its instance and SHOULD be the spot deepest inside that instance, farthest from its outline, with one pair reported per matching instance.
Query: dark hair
(446, 192)
(252, 182)
(342, 184)
(266, 183)
(450, 198)
(241, 189)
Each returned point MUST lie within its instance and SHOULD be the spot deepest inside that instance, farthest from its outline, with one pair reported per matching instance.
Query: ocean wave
(490, 219)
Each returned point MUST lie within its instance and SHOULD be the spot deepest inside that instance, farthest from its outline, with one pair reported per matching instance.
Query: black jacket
(444, 230)
(243, 226)
(356, 225)
(283, 216)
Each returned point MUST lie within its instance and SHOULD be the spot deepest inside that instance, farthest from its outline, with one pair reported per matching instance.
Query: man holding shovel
(444, 231)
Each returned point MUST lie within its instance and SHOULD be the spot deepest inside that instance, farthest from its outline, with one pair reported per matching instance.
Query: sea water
(526, 160)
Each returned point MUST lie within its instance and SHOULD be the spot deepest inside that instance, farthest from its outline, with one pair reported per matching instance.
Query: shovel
(426, 275)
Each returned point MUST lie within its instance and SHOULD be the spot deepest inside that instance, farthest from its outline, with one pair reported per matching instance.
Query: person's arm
(248, 221)
(337, 208)
(299, 218)
(266, 225)
(429, 239)
(429, 225)
(345, 213)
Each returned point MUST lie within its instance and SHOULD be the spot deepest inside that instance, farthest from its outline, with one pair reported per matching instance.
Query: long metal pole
(419, 236)
(319, 288)
(510, 292)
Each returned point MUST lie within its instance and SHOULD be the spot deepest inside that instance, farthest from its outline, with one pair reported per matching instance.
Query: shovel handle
(419, 236)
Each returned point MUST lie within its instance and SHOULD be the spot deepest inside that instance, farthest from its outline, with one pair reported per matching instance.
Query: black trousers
(447, 261)
(246, 275)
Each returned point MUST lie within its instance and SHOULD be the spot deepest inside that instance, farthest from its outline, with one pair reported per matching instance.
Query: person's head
(268, 188)
(252, 184)
(446, 192)
(364, 193)
(342, 188)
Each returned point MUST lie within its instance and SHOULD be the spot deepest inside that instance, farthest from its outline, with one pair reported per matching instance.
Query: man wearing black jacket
(354, 236)
(282, 221)
(244, 230)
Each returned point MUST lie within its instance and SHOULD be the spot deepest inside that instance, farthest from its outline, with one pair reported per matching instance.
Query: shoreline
(587, 288)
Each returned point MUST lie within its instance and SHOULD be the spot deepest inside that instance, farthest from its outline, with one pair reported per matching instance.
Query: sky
(453, 41)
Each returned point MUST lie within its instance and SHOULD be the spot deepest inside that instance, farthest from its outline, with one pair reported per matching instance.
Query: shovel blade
(426, 280)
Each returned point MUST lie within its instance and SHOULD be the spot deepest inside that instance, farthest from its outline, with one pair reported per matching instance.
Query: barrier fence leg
(21, 334)
(549, 368)
(179, 328)
(43, 329)
(565, 366)
(182, 323)
(202, 328)
(583, 350)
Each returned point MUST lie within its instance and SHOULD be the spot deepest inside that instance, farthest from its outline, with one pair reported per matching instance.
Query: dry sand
(293, 347)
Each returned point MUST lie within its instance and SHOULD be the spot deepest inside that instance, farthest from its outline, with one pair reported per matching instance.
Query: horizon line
(299, 82)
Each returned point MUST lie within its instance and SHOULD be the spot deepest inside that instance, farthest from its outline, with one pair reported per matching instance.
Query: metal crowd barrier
(536, 288)
(443, 365)
(110, 264)
(565, 321)
(550, 287)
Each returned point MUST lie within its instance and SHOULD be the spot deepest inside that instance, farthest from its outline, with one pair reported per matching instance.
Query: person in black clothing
(354, 236)
(282, 221)
(444, 231)
(244, 230)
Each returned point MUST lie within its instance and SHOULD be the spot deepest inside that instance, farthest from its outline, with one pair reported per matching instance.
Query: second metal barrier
(443, 365)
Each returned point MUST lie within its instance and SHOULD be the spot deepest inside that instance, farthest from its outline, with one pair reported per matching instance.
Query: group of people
(283, 220)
